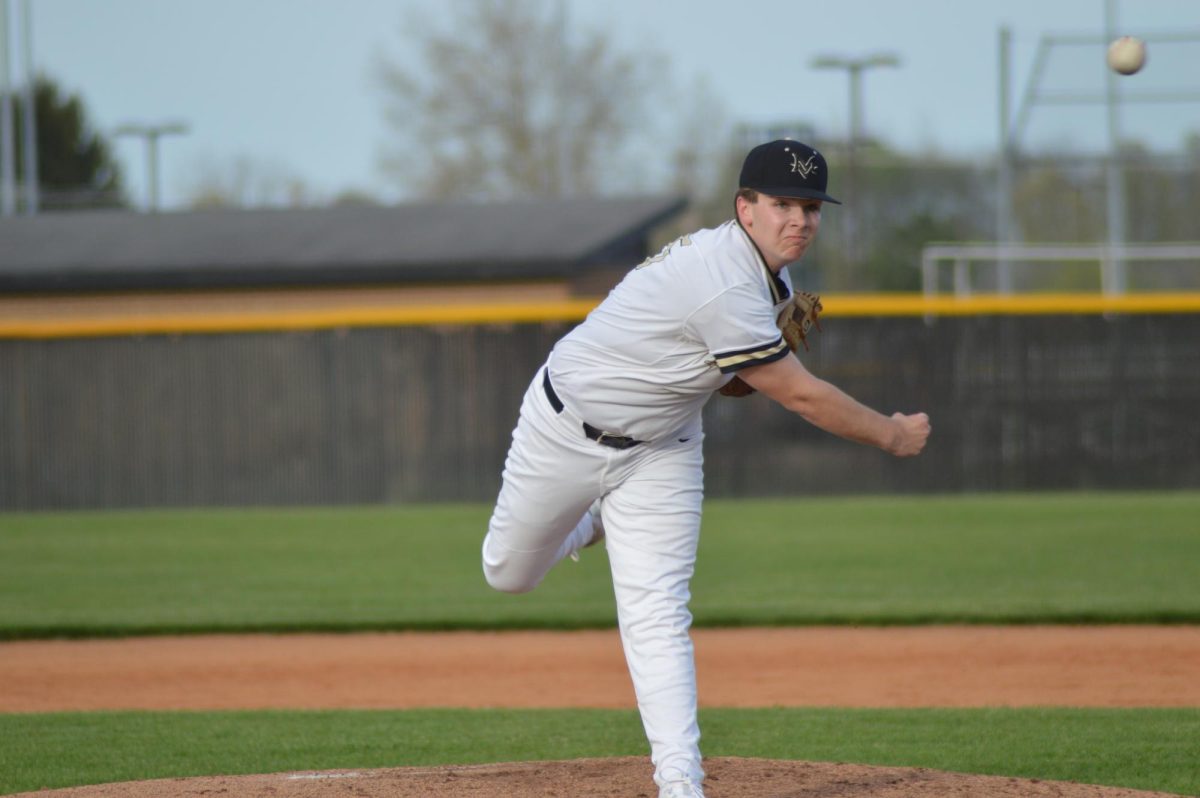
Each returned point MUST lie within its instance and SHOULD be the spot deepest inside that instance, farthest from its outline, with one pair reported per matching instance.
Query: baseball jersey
(673, 331)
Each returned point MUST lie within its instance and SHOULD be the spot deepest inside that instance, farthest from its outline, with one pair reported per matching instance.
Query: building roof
(443, 242)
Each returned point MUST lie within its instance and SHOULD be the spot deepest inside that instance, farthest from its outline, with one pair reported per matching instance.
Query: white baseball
(1127, 55)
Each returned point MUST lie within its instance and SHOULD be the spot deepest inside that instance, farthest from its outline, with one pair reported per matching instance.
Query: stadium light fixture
(854, 67)
(151, 134)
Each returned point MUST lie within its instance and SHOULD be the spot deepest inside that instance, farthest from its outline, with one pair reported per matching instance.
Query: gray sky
(289, 83)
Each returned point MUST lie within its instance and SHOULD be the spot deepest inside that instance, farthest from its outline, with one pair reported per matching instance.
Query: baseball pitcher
(608, 443)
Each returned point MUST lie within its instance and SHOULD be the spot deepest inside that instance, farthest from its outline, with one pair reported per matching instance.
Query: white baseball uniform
(616, 414)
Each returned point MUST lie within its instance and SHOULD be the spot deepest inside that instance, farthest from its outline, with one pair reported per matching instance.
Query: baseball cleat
(681, 788)
(597, 528)
(597, 523)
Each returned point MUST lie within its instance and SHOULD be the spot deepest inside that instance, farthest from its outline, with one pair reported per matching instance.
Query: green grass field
(1122, 558)
(1053, 558)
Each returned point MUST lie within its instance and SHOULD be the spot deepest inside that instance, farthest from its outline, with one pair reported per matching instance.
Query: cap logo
(805, 168)
(767, 168)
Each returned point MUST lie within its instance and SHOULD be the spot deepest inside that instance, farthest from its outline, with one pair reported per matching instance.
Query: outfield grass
(1058, 558)
(1051, 558)
(1146, 749)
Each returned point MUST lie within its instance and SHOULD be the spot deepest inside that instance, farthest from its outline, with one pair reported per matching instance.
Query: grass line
(711, 621)
(1151, 749)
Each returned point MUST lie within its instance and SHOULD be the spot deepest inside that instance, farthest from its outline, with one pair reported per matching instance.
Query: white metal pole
(563, 87)
(854, 73)
(1116, 281)
(1004, 164)
(152, 168)
(8, 197)
(29, 112)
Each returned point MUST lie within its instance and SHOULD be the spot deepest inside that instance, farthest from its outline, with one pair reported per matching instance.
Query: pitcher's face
(782, 227)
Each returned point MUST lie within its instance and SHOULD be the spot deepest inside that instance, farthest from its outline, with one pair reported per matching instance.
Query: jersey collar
(779, 289)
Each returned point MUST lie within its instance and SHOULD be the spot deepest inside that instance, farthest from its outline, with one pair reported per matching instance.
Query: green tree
(1162, 199)
(1060, 199)
(75, 164)
(894, 262)
(905, 201)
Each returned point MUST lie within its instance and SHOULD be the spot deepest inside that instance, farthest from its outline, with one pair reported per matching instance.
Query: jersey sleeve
(738, 327)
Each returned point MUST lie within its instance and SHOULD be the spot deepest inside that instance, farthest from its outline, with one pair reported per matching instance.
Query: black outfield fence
(412, 413)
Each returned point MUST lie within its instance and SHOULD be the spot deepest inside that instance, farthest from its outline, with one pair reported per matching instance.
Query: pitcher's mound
(626, 777)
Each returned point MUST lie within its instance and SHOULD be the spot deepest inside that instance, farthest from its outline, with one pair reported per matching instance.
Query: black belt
(600, 437)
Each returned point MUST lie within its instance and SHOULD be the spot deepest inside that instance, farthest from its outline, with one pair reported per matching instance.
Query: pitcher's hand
(911, 434)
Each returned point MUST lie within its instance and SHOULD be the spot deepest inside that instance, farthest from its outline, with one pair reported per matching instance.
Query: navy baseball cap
(786, 168)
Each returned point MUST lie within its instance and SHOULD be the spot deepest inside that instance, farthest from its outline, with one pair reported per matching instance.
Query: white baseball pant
(651, 514)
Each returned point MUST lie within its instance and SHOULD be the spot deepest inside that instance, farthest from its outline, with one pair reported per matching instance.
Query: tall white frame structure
(1011, 130)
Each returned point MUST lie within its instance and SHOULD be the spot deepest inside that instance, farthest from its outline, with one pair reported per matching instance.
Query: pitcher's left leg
(652, 522)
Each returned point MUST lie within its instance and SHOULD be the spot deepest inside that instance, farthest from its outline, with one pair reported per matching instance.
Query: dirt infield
(899, 667)
(1100, 666)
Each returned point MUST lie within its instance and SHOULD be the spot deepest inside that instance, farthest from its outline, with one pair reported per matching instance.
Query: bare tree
(246, 182)
(509, 101)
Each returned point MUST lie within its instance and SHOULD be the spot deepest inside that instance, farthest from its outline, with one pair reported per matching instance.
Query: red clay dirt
(620, 777)
(1115, 666)
(1101, 666)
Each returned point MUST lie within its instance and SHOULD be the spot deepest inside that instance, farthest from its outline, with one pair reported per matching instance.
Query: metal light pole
(151, 134)
(562, 97)
(854, 67)
(29, 112)
(1004, 165)
(8, 171)
(1116, 282)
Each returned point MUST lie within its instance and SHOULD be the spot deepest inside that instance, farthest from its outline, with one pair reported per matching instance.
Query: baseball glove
(794, 322)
